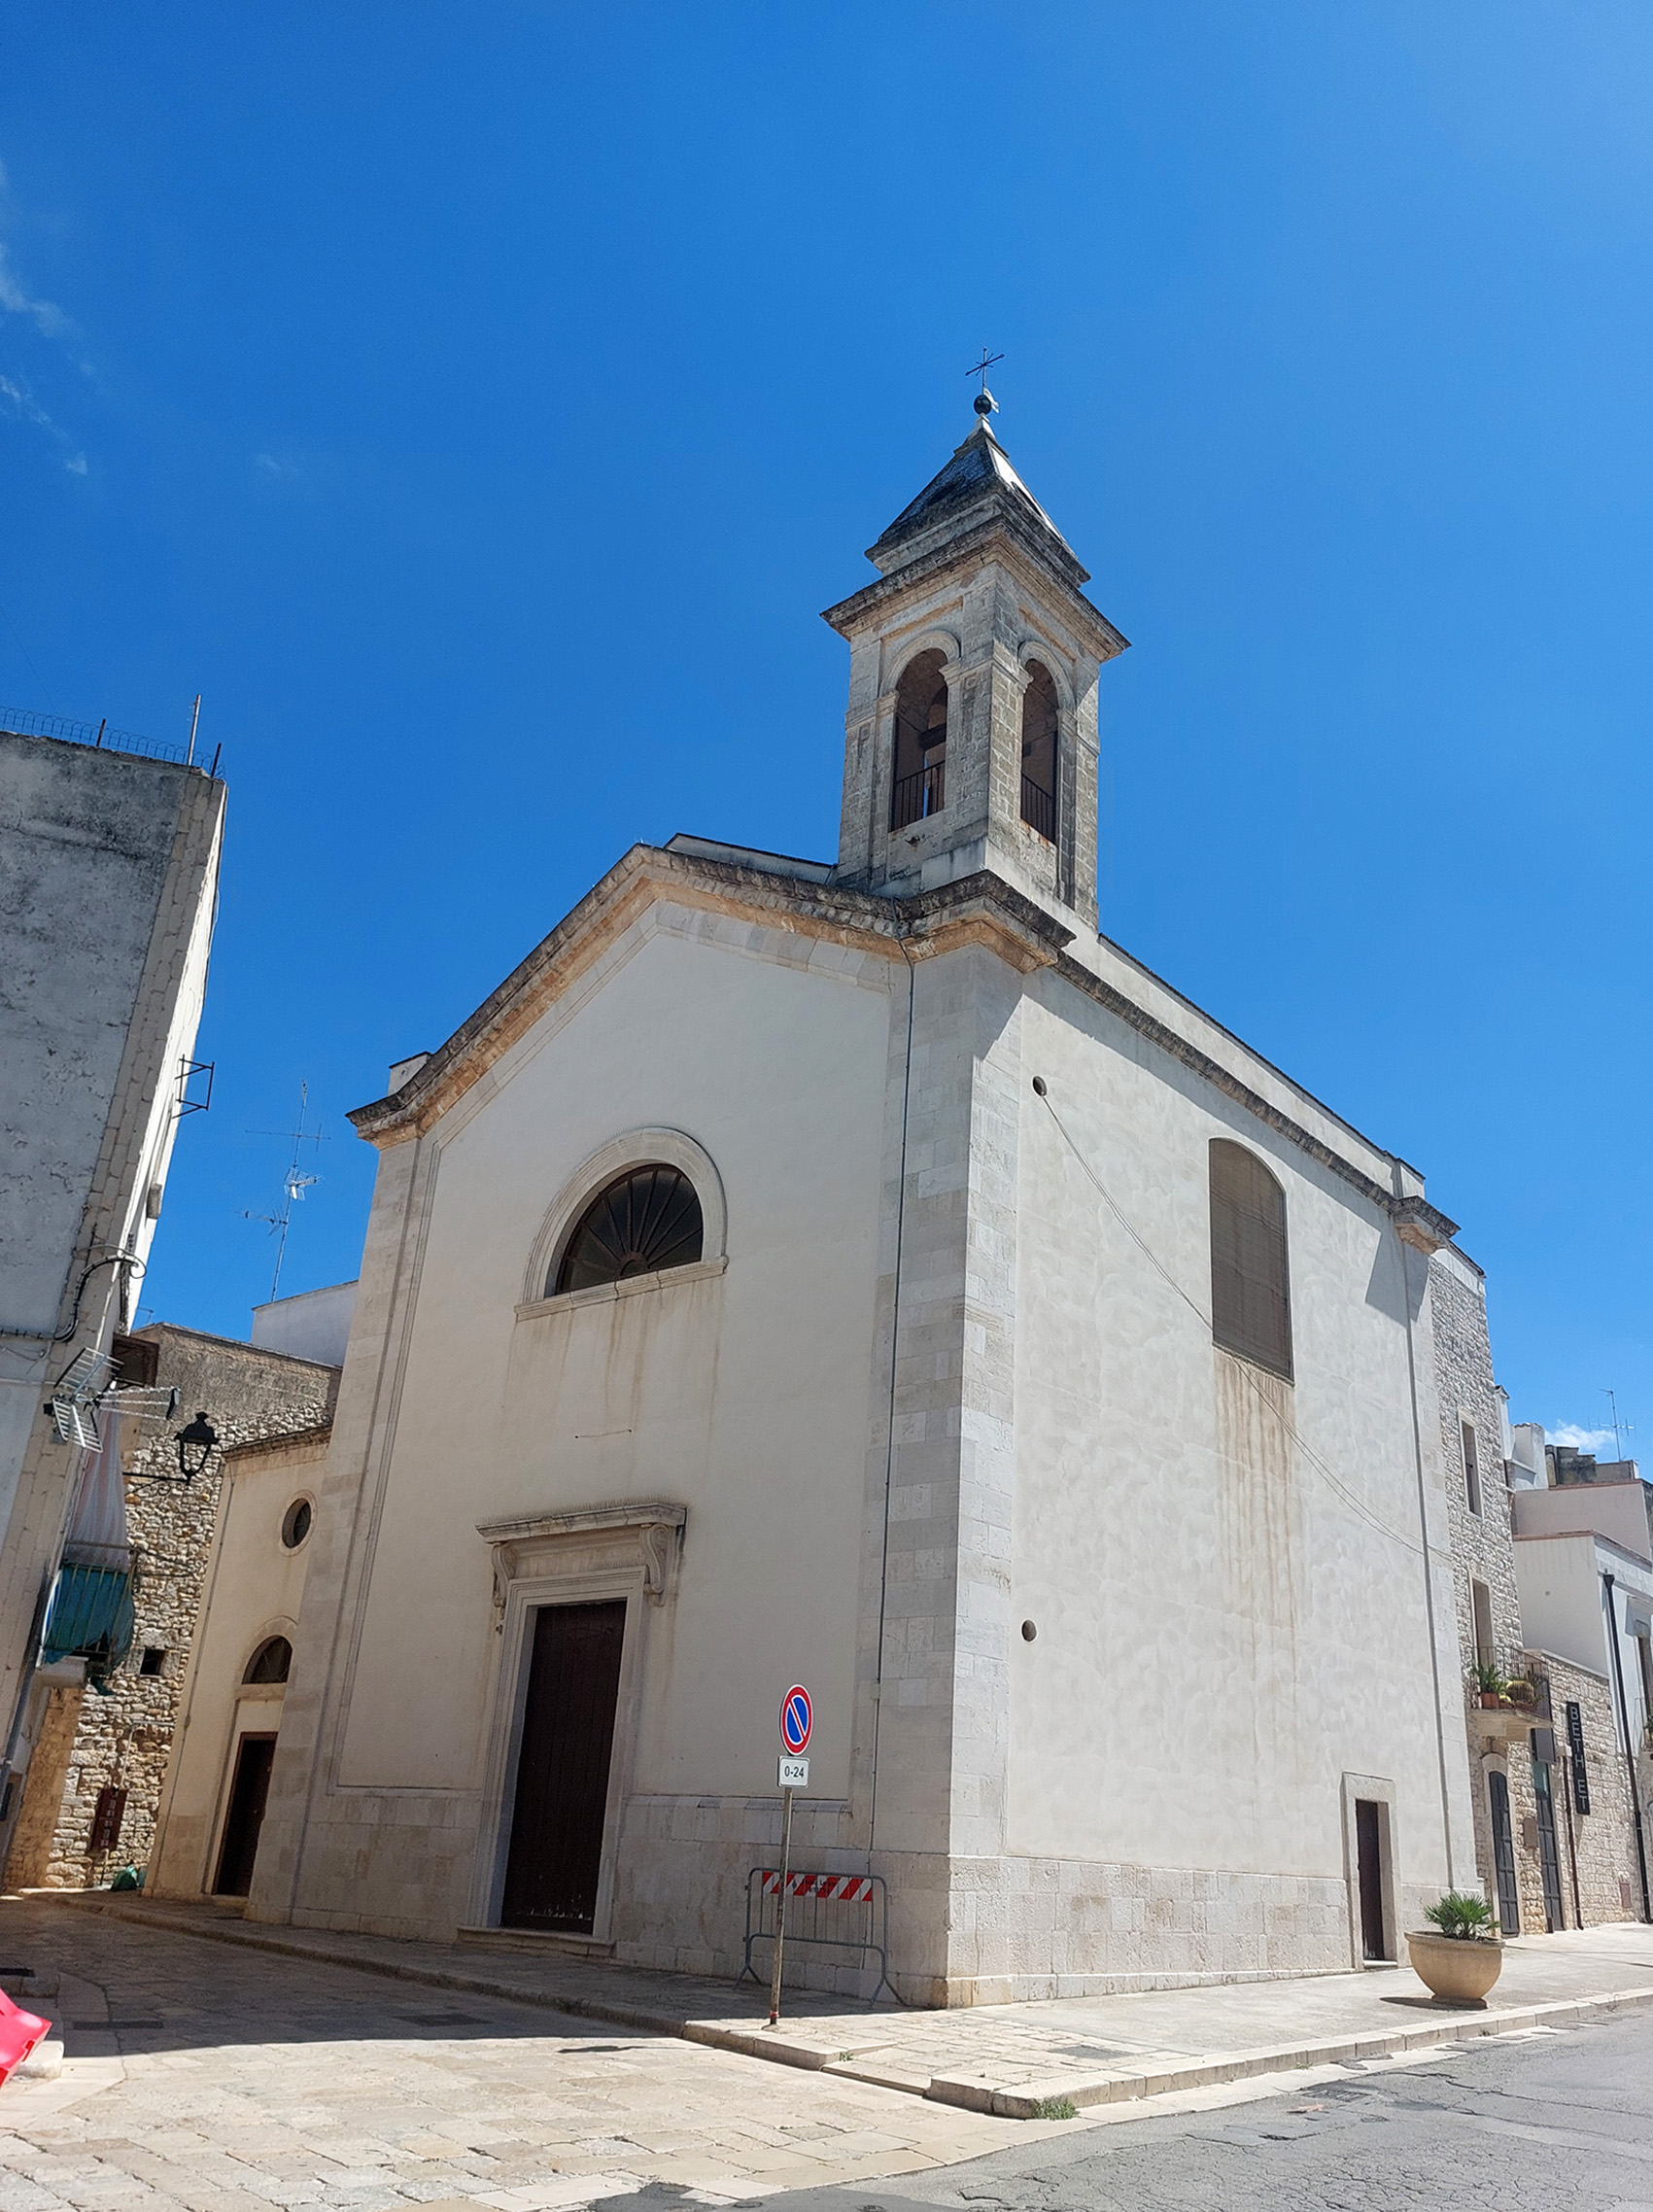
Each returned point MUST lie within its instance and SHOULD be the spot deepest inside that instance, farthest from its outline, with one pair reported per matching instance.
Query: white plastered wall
(1228, 1623)
(738, 1392)
(255, 1590)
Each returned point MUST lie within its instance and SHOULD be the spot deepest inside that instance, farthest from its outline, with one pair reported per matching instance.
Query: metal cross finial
(984, 403)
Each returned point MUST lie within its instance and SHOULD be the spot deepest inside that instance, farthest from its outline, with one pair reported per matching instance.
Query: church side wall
(1230, 1624)
(740, 1392)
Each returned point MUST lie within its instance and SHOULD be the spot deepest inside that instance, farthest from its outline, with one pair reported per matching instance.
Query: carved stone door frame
(573, 1556)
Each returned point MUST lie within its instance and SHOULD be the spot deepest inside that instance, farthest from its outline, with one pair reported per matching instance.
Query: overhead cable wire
(1355, 1504)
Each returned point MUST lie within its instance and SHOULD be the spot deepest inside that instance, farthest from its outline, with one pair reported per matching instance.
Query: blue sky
(477, 405)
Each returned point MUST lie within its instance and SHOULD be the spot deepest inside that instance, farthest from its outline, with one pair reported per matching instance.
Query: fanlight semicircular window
(645, 1220)
(270, 1662)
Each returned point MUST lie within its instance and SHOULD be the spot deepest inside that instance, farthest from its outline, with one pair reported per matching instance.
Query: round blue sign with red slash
(797, 1718)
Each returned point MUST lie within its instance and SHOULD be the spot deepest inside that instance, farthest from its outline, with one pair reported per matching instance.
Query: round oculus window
(295, 1523)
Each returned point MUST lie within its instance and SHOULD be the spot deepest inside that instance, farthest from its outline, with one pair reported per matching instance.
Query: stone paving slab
(297, 2083)
(1010, 2060)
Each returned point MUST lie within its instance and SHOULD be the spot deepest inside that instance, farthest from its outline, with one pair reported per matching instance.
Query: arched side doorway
(252, 1761)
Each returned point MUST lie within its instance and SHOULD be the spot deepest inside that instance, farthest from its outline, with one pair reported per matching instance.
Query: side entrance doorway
(1549, 1857)
(1504, 1854)
(1368, 1862)
(249, 1792)
(562, 1785)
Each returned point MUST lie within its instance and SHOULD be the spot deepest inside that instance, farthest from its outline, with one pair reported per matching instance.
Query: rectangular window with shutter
(1471, 1465)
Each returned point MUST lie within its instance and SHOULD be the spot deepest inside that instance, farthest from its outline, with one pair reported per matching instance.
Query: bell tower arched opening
(971, 736)
(1039, 718)
(919, 786)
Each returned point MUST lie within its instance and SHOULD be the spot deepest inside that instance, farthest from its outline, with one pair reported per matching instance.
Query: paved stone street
(216, 2077)
(203, 2076)
(1547, 2121)
(1009, 2060)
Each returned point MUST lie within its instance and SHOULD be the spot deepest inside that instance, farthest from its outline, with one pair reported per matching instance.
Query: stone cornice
(290, 1444)
(1414, 1219)
(999, 537)
(585, 1520)
(570, 1536)
(980, 909)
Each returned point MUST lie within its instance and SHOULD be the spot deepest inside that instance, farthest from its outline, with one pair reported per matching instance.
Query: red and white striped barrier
(830, 1888)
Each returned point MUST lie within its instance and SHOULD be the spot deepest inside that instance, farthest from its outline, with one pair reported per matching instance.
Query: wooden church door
(562, 1791)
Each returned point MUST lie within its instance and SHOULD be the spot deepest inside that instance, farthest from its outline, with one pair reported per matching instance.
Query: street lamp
(195, 1447)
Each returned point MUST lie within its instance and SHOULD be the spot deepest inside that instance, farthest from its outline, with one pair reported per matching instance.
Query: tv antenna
(1628, 1427)
(295, 1183)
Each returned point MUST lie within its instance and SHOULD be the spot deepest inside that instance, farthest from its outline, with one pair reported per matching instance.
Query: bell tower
(970, 740)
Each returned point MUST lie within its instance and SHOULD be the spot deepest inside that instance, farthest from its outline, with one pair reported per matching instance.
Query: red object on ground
(19, 2032)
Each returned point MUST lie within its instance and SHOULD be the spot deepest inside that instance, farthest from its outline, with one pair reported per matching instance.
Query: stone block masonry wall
(124, 1740)
(1483, 1548)
(1597, 1848)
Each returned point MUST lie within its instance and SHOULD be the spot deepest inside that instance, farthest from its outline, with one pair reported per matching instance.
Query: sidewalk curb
(973, 2096)
(1282, 2058)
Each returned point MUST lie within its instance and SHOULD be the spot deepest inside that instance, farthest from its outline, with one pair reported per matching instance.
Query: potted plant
(1489, 1681)
(1462, 1957)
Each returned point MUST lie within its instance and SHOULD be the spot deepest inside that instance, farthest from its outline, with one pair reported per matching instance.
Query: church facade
(862, 1273)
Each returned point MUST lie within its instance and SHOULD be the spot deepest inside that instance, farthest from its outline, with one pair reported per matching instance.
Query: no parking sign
(797, 1720)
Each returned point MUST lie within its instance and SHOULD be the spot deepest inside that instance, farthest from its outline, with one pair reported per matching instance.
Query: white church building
(862, 1274)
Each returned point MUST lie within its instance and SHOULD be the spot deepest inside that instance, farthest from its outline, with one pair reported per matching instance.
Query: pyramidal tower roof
(977, 482)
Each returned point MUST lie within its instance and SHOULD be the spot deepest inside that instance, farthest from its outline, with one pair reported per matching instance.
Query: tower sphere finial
(984, 403)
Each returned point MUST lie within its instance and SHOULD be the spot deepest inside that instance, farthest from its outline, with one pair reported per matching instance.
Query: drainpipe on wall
(889, 1440)
(1429, 1574)
(1629, 1751)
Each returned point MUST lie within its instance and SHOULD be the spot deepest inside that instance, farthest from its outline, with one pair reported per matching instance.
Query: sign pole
(797, 1724)
(787, 1797)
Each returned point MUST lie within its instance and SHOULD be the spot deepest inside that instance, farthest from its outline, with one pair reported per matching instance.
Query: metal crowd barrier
(830, 1911)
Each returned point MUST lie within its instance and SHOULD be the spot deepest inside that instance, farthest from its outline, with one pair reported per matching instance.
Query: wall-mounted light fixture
(196, 1445)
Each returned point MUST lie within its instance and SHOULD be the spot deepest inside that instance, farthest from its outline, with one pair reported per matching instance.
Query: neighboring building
(108, 861)
(1557, 1812)
(314, 1325)
(866, 1275)
(91, 1762)
(1584, 1565)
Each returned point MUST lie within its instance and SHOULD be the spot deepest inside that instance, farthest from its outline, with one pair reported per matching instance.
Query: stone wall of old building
(1598, 1846)
(37, 1821)
(1483, 1552)
(1597, 1850)
(124, 1739)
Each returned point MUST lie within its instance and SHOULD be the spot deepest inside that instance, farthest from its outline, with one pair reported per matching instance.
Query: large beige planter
(1457, 1970)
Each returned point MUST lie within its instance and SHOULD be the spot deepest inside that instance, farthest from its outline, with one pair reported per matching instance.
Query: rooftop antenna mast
(294, 1184)
(1626, 1427)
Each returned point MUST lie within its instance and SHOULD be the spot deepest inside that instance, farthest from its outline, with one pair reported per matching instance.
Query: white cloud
(21, 401)
(17, 399)
(1577, 1440)
(49, 320)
